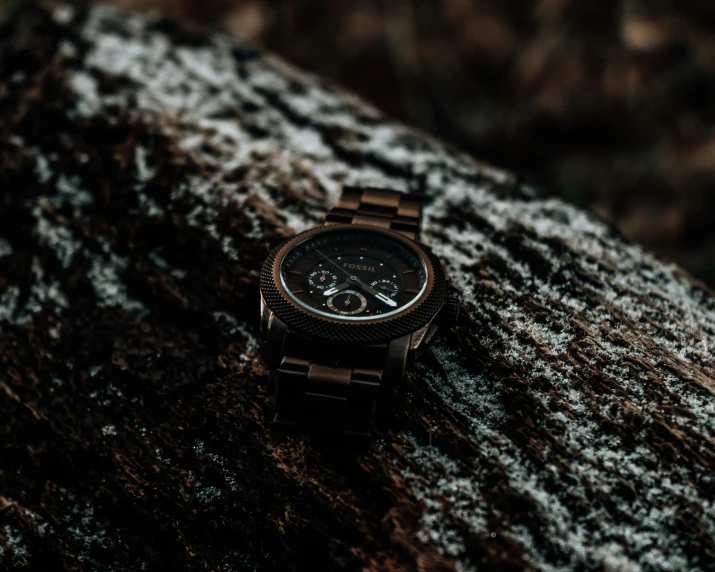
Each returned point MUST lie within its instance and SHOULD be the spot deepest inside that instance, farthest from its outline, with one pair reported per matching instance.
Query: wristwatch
(344, 305)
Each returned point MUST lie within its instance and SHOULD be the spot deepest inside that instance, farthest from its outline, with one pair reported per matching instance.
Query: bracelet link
(383, 208)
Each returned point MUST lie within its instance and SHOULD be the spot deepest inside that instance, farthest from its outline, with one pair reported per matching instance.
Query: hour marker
(409, 271)
(411, 290)
(294, 272)
(298, 291)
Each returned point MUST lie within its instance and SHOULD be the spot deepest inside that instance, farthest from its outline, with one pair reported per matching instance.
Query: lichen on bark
(567, 421)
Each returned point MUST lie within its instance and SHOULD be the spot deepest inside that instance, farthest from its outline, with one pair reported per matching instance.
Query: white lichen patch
(109, 287)
(109, 430)
(45, 293)
(84, 529)
(63, 236)
(15, 548)
(85, 84)
(64, 14)
(5, 248)
(447, 494)
(467, 392)
(234, 327)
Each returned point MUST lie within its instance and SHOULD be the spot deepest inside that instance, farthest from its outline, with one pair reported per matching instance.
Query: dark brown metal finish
(328, 398)
(276, 335)
(397, 351)
(330, 371)
(449, 315)
(312, 325)
(334, 387)
(383, 208)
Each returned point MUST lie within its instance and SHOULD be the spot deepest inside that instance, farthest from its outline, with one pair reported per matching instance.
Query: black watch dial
(353, 274)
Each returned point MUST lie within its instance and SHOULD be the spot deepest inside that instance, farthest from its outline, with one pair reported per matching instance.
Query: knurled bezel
(304, 322)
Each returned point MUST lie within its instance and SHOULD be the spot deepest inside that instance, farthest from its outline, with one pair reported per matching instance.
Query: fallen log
(147, 169)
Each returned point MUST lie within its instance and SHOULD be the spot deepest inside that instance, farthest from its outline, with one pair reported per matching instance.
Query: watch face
(353, 274)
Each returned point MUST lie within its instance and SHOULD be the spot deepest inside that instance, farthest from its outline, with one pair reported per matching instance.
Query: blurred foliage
(7, 5)
(609, 103)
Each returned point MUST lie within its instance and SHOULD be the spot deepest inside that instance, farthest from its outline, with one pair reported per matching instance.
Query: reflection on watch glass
(353, 274)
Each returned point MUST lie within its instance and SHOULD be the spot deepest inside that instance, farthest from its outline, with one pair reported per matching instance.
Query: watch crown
(449, 314)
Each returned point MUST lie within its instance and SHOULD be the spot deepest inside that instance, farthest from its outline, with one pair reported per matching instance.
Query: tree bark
(566, 423)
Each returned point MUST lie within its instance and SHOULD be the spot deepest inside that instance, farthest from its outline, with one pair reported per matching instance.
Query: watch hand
(358, 282)
(333, 263)
(386, 300)
(370, 290)
(335, 289)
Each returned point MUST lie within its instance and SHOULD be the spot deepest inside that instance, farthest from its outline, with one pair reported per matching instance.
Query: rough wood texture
(568, 422)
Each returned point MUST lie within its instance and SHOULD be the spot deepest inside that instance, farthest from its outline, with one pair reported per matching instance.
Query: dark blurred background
(608, 104)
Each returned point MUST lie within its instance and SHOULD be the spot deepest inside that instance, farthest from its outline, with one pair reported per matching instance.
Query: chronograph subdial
(321, 279)
(386, 286)
(347, 303)
(388, 275)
